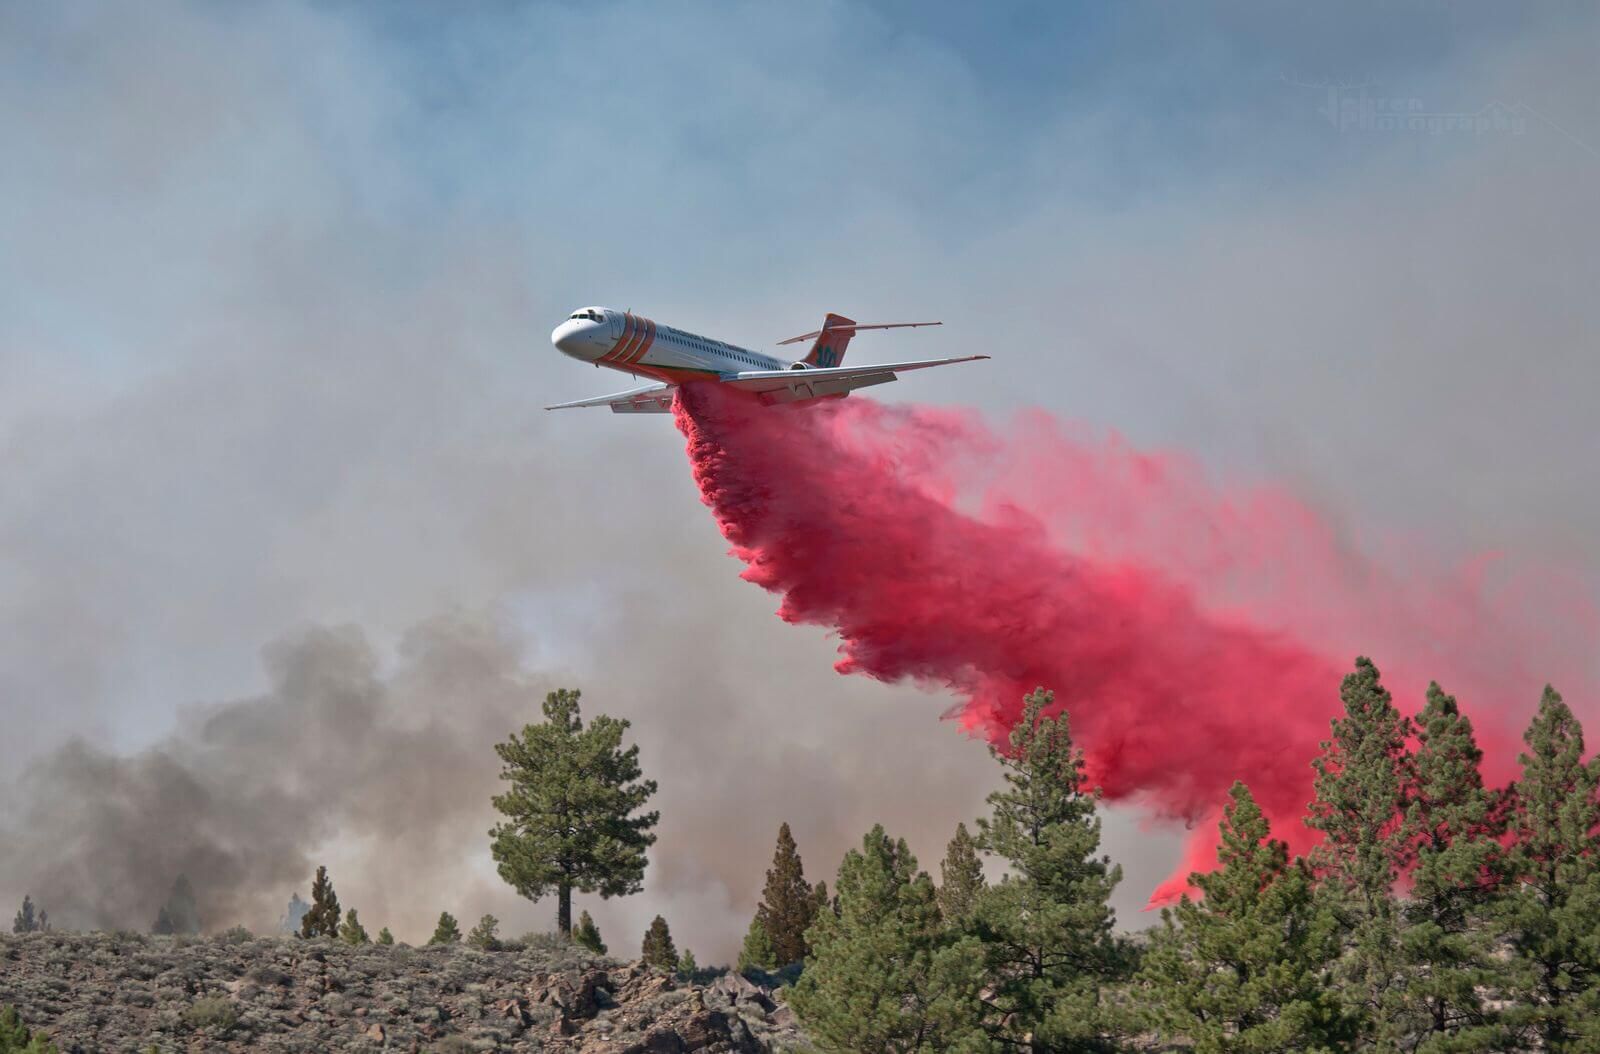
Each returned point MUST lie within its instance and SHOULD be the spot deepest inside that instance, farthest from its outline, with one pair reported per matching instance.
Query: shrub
(212, 1012)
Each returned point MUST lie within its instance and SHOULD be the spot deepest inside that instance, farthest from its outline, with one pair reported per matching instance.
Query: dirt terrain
(131, 992)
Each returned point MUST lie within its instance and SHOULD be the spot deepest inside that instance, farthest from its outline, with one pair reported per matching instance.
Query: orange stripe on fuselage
(630, 329)
(644, 345)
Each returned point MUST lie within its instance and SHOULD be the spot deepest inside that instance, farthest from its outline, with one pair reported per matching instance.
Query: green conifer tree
(385, 937)
(788, 903)
(884, 975)
(182, 907)
(961, 877)
(587, 934)
(323, 918)
(1551, 920)
(1047, 928)
(687, 967)
(1360, 805)
(657, 949)
(485, 936)
(351, 931)
(24, 922)
(1447, 943)
(572, 811)
(757, 952)
(1244, 969)
(17, 1038)
(447, 931)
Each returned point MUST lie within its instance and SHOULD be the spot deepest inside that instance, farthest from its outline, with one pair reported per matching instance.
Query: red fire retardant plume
(1196, 636)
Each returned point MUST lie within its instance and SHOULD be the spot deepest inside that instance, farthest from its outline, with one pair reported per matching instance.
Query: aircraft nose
(571, 338)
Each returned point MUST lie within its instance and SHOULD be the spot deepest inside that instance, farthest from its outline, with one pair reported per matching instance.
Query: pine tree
(25, 922)
(884, 974)
(446, 932)
(1552, 919)
(657, 949)
(1447, 945)
(17, 1038)
(351, 931)
(1244, 968)
(485, 935)
(1360, 806)
(757, 952)
(323, 918)
(788, 903)
(588, 934)
(572, 810)
(181, 912)
(961, 877)
(385, 937)
(1047, 927)
(290, 923)
(687, 967)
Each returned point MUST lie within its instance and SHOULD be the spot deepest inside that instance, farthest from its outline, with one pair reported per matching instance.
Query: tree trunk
(564, 911)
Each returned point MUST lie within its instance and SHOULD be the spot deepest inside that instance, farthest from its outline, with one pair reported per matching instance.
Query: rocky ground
(130, 992)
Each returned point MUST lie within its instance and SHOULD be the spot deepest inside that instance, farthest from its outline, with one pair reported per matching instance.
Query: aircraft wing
(651, 399)
(794, 385)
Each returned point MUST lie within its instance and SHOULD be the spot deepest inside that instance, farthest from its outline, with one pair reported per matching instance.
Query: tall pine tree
(788, 903)
(884, 975)
(1552, 919)
(1447, 942)
(960, 877)
(323, 918)
(1245, 969)
(1361, 779)
(1046, 928)
(573, 818)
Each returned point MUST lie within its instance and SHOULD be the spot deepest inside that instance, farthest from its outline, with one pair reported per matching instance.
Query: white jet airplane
(634, 344)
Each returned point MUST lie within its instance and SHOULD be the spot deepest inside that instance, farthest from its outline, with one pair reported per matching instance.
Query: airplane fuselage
(637, 345)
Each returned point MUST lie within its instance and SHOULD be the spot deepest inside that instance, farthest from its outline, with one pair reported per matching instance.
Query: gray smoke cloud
(243, 795)
(274, 296)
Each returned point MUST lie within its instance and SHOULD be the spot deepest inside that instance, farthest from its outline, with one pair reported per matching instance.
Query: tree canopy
(573, 808)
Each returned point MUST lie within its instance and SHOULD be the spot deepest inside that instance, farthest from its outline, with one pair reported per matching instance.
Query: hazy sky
(276, 283)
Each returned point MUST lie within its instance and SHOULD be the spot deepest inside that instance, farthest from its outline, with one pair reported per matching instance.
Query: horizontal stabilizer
(651, 399)
(846, 326)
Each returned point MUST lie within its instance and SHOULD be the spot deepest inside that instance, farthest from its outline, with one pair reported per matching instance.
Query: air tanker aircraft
(634, 344)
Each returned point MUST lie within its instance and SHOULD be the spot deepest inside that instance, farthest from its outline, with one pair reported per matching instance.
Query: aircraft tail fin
(828, 349)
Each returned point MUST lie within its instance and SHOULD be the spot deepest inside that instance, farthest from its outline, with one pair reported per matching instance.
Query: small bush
(236, 935)
(269, 977)
(212, 1012)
